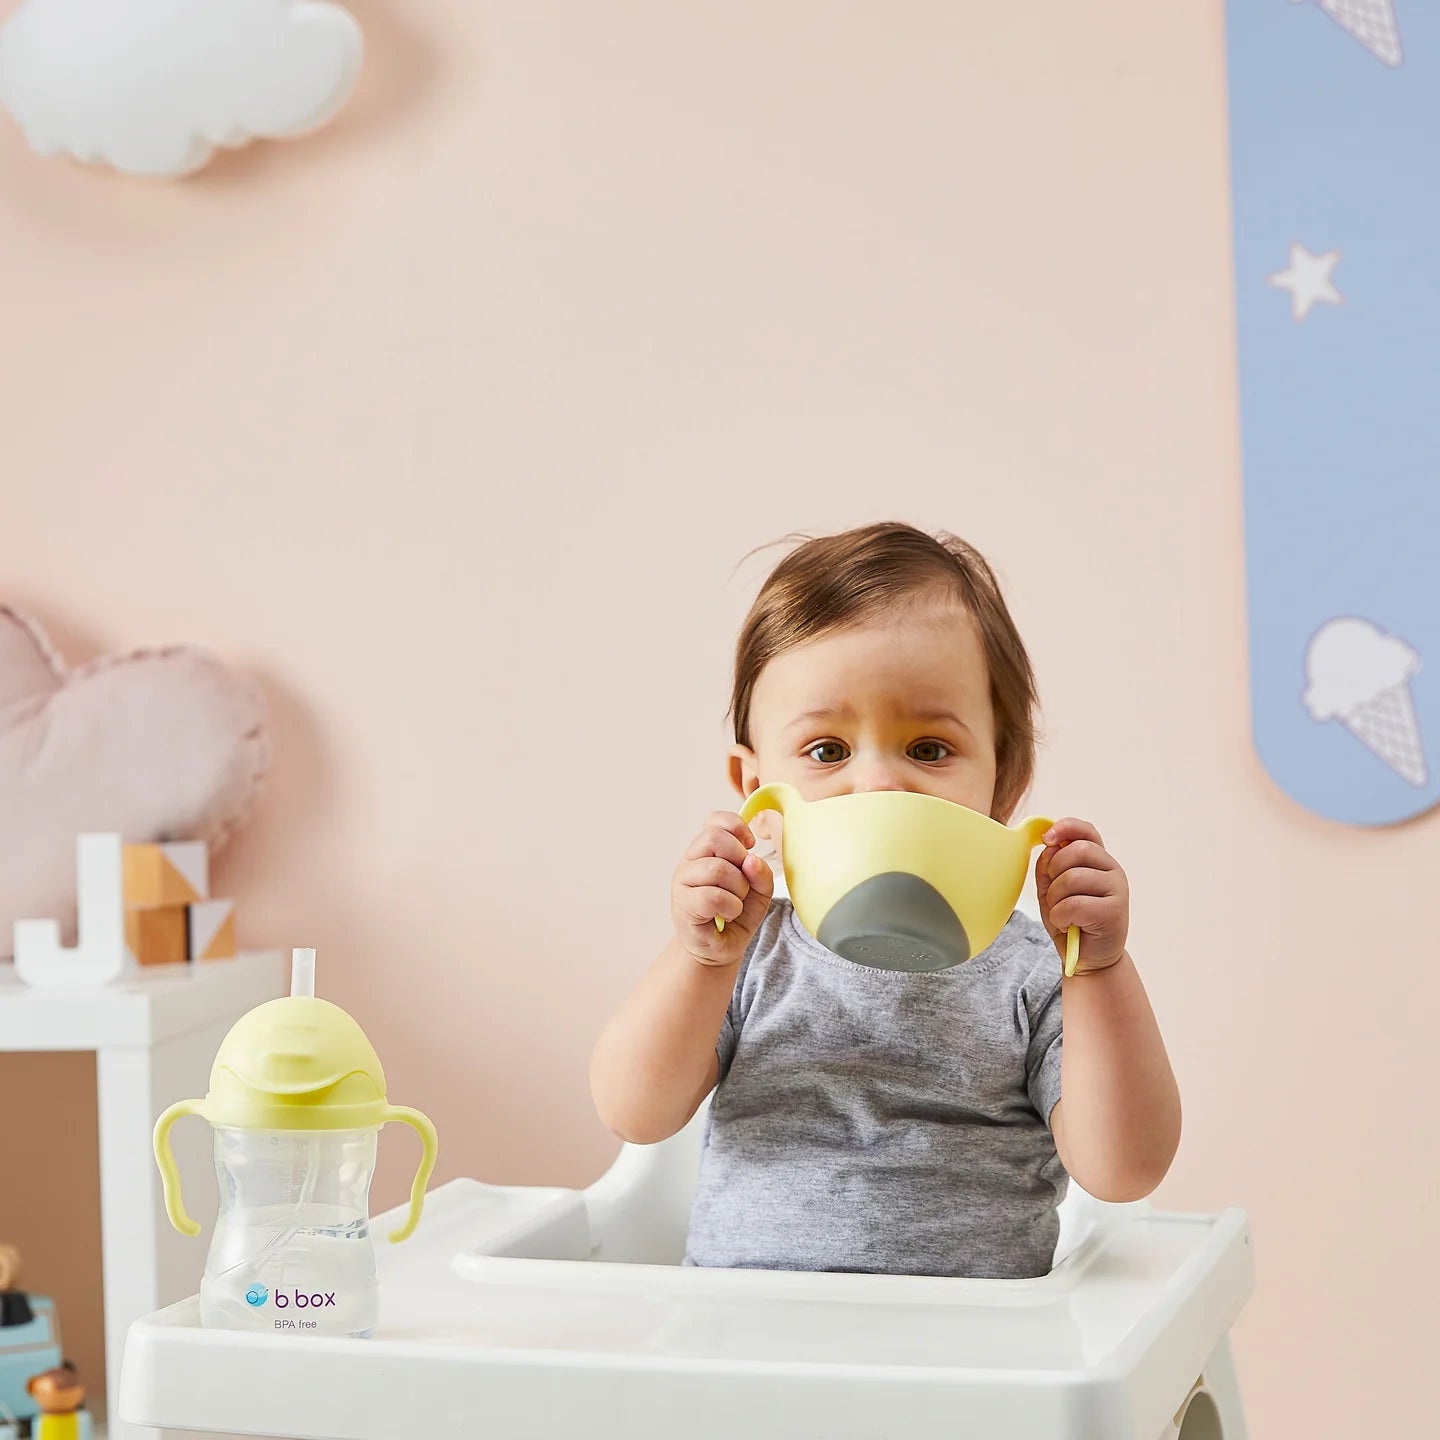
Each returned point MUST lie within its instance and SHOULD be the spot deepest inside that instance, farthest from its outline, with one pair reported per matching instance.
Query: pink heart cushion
(158, 745)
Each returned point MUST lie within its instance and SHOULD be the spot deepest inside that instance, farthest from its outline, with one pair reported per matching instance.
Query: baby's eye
(930, 747)
(836, 752)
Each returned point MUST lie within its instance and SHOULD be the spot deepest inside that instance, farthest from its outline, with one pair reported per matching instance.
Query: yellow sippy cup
(901, 881)
(296, 1099)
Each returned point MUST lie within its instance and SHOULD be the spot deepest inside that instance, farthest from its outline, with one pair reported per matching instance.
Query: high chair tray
(472, 1344)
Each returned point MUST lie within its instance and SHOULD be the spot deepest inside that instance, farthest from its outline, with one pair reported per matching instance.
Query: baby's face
(902, 704)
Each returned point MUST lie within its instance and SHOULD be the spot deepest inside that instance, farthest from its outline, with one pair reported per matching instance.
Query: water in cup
(292, 1249)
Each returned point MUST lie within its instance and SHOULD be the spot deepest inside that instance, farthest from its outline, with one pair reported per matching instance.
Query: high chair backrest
(640, 1208)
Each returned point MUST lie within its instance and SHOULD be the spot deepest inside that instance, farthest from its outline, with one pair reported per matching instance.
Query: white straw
(302, 973)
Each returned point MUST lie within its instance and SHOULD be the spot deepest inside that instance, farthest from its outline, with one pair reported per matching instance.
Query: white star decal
(1308, 281)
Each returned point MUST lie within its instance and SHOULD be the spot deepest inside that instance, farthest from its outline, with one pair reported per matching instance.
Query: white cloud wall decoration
(153, 87)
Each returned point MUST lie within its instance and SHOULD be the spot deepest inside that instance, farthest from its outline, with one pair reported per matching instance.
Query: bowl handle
(1034, 829)
(775, 796)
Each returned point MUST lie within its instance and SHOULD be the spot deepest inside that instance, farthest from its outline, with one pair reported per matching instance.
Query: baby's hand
(720, 875)
(1079, 883)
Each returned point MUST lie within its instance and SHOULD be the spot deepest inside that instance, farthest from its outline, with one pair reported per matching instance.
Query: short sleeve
(764, 939)
(1042, 1067)
(729, 1032)
(729, 1036)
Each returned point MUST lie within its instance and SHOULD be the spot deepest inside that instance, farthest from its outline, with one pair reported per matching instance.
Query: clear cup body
(292, 1253)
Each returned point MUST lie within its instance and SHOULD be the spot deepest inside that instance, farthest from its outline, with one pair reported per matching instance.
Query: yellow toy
(901, 881)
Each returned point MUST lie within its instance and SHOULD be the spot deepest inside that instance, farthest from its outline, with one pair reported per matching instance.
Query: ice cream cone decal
(1387, 725)
(1361, 677)
(1371, 22)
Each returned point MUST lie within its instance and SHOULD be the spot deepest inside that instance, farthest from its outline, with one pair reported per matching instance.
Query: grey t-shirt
(872, 1120)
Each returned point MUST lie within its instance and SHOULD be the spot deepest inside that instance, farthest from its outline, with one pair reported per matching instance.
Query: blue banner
(1335, 157)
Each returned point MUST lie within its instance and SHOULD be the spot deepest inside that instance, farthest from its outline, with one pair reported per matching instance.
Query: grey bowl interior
(895, 921)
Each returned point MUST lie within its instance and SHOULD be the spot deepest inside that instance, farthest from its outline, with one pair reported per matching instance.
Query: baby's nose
(877, 775)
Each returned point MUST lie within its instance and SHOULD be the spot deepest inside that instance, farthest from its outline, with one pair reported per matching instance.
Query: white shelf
(154, 1033)
(141, 1009)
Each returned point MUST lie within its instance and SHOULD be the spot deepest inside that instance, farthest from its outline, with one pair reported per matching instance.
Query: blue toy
(29, 1346)
(26, 1350)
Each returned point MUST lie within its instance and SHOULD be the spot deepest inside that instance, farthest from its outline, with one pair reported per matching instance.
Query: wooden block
(175, 873)
(211, 930)
(157, 936)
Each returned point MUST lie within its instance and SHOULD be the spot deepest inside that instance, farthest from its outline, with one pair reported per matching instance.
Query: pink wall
(451, 423)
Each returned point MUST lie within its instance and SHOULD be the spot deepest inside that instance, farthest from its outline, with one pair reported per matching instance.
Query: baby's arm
(1117, 1124)
(655, 1061)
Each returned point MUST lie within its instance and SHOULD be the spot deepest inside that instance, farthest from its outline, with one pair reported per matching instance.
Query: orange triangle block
(173, 873)
(212, 930)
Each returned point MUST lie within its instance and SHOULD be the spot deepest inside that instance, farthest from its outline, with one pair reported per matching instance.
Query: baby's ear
(743, 772)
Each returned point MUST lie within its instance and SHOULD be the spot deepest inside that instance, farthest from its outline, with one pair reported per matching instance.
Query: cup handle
(1033, 829)
(428, 1147)
(767, 797)
(169, 1171)
(1072, 950)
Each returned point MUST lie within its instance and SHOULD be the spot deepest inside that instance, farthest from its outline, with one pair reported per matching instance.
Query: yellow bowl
(900, 881)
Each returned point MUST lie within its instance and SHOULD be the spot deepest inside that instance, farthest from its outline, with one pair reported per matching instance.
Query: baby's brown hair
(832, 582)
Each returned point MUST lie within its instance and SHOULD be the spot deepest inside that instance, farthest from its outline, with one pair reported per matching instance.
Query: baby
(866, 1119)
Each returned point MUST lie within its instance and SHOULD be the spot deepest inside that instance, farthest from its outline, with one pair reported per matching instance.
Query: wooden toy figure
(14, 1303)
(60, 1396)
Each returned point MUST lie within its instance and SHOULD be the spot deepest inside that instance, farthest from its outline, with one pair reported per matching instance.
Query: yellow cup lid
(297, 1063)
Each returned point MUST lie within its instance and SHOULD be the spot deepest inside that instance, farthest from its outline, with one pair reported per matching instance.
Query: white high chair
(543, 1312)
